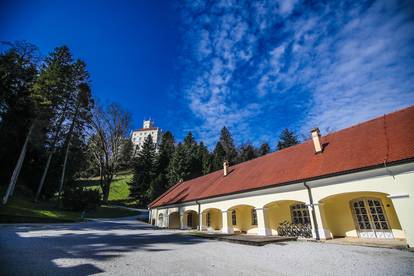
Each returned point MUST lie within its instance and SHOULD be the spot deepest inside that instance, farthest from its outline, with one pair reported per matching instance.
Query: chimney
(225, 167)
(316, 138)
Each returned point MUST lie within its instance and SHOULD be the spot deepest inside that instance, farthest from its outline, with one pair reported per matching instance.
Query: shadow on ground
(39, 247)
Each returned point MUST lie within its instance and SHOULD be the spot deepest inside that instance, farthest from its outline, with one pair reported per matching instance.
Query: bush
(80, 199)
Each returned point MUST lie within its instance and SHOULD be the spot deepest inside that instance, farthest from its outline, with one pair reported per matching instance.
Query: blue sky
(254, 66)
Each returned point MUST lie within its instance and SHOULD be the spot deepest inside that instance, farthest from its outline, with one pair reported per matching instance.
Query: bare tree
(110, 126)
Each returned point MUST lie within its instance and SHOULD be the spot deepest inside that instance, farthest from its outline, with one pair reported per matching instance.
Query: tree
(179, 167)
(287, 139)
(165, 152)
(144, 172)
(20, 106)
(228, 145)
(110, 127)
(206, 159)
(219, 155)
(58, 79)
(247, 152)
(81, 116)
(264, 149)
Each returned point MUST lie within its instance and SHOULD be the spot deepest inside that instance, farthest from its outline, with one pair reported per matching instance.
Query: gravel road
(129, 247)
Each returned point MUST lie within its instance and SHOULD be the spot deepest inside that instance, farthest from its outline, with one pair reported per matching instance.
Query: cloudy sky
(254, 66)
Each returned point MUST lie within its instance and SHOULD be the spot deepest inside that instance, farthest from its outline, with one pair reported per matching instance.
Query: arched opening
(288, 218)
(212, 219)
(191, 219)
(361, 215)
(174, 220)
(243, 219)
(160, 220)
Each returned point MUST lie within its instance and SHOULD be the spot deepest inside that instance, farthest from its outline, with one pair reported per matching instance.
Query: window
(254, 217)
(160, 219)
(208, 219)
(190, 220)
(233, 217)
(300, 214)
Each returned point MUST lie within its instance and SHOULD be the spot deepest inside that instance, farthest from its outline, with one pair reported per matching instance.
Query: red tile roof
(146, 129)
(389, 138)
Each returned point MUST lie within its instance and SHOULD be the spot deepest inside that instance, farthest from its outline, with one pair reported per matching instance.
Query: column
(404, 205)
(181, 219)
(262, 223)
(319, 232)
(167, 219)
(227, 227)
(200, 220)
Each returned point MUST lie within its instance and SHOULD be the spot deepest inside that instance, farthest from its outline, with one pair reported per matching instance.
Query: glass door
(370, 219)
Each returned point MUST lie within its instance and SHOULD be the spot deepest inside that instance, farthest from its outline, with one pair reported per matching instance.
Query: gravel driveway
(129, 247)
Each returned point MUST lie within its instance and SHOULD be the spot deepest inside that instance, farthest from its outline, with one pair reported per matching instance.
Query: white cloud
(337, 64)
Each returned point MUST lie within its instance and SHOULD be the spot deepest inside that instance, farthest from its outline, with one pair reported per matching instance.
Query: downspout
(200, 216)
(315, 223)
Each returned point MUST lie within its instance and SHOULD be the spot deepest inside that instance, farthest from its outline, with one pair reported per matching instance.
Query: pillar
(227, 227)
(404, 205)
(319, 231)
(181, 219)
(262, 223)
(200, 220)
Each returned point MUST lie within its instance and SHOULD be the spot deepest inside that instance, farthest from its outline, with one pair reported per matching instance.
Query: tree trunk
(72, 126)
(52, 151)
(18, 166)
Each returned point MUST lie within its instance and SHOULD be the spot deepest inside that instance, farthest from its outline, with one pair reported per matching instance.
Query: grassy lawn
(119, 193)
(21, 208)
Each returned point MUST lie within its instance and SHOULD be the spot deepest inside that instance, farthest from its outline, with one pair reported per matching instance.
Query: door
(370, 219)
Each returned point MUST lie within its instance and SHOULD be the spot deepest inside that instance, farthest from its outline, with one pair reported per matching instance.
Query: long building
(357, 182)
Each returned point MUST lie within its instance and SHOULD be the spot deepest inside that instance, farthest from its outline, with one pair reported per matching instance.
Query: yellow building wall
(244, 220)
(174, 220)
(339, 218)
(277, 213)
(216, 221)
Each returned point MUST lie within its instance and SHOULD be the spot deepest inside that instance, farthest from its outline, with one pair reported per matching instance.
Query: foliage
(227, 143)
(287, 139)
(81, 199)
(264, 149)
(110, 126)
(247, 152)
(144, 171)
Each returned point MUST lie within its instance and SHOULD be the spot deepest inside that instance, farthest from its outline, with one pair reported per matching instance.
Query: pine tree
(228, 145)
(163, 158)
(143, 172)
(179, 167)
(287, 139)
(247, 152)
(206, 159)
(219, 155)
(264, 149)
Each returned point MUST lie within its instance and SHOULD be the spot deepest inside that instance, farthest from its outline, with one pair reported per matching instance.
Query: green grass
(21, 208)
(119, 192)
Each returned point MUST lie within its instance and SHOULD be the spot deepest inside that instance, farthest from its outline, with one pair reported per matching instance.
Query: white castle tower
(148, 128)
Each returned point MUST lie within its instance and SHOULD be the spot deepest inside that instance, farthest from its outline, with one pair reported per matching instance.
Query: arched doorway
(288, 218)
(212, 219)
(361, 214)
(243, 219)
(161, 220)
(174, 220)
(191, 219)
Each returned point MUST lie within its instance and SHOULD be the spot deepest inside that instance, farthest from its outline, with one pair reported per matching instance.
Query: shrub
(80, 199)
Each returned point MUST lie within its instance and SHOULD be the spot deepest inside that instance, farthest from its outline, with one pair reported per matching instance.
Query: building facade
(148, 128)
(357, 182)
